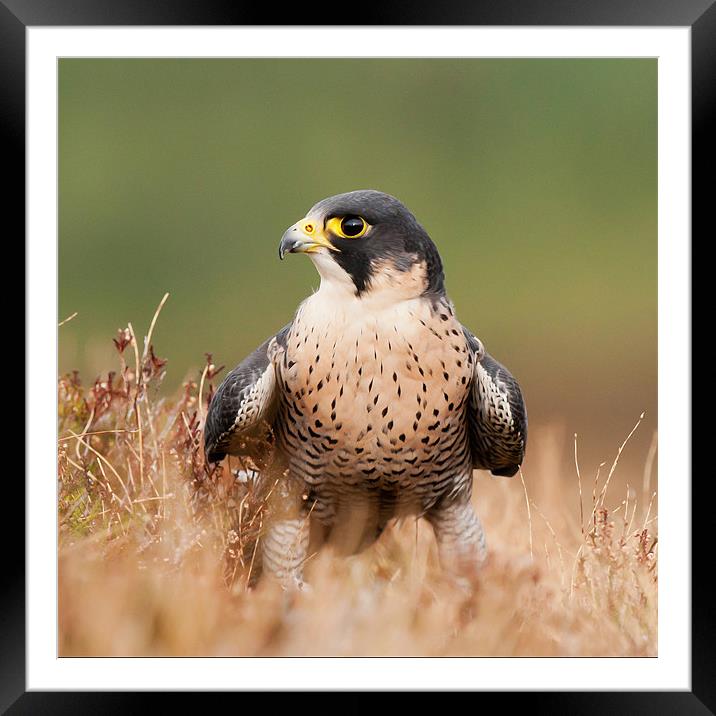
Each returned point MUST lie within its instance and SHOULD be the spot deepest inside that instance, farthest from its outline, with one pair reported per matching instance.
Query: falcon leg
(285, 541)
(285, 548)
(460, 537)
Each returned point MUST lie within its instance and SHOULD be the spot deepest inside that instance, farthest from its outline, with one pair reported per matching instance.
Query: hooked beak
(305, 237)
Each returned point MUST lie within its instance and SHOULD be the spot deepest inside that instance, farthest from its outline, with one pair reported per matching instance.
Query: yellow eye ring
(348, 227)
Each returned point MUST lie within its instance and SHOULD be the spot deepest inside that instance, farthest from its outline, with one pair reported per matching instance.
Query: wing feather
(497, 417)
(245, 402)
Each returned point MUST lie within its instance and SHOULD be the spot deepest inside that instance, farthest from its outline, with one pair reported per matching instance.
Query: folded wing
(497, 418)
(244, 405)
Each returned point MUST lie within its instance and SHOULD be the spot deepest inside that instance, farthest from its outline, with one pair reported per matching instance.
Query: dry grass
(155, 552)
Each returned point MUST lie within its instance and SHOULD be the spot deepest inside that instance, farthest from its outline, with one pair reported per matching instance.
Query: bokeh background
(537, 179)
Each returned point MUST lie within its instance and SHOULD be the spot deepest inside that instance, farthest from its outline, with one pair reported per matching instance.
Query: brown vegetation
(156, 552)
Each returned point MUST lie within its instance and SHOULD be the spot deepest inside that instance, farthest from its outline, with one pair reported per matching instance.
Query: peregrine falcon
(379, 402)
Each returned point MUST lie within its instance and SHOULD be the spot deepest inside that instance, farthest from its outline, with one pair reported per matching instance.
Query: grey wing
(497, 417)
(245, 402)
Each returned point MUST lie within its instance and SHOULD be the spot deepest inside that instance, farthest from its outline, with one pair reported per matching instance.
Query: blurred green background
(537, 179)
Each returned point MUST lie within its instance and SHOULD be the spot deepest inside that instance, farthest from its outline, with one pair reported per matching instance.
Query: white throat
(391, 292)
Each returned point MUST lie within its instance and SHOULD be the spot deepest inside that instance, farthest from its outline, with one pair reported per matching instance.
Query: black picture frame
(699, 15)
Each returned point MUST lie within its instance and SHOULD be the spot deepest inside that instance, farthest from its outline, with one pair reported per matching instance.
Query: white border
(671, 670)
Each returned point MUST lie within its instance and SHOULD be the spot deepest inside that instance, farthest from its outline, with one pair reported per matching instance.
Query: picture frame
(17, 16)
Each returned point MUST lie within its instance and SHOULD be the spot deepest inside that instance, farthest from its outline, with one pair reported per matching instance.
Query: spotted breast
(373, 403)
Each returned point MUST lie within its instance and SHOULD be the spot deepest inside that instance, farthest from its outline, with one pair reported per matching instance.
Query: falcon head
(367, 242)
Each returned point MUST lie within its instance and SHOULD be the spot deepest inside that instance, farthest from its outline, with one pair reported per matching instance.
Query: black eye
(352, 226)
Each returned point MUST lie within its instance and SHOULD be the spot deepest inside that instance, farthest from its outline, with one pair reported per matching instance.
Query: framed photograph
(484, 216)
